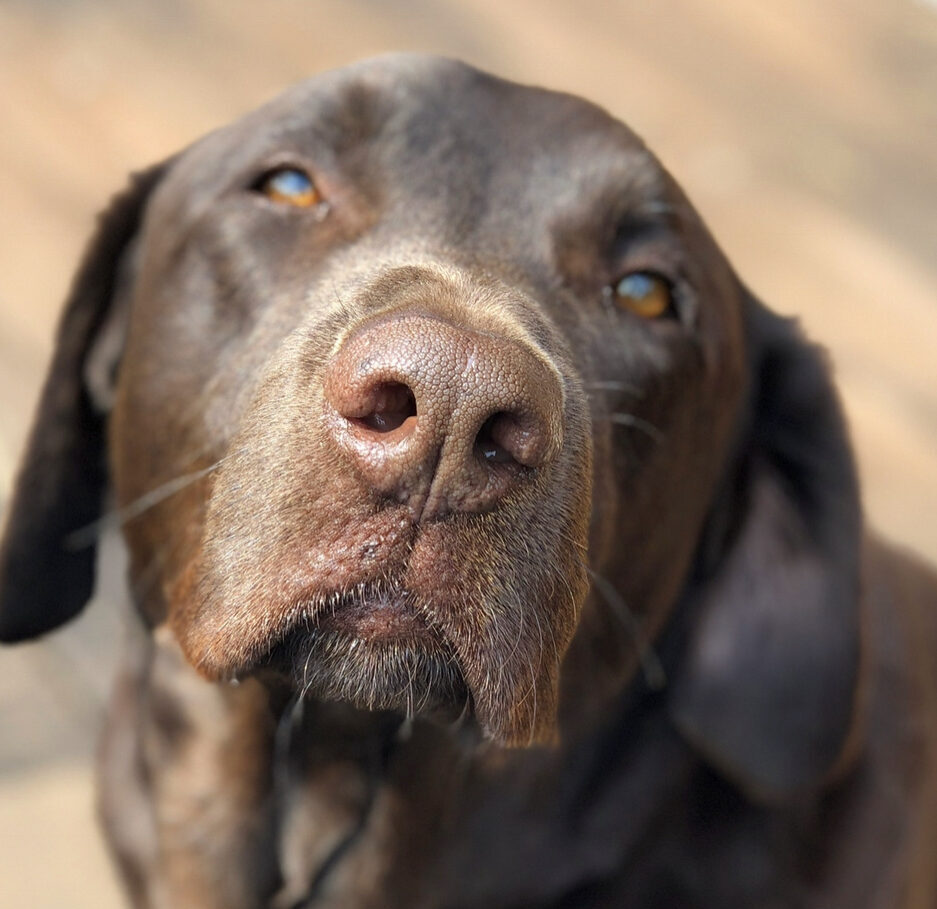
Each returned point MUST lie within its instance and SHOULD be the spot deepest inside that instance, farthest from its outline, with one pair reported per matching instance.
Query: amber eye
(290, 186)
(645, 294)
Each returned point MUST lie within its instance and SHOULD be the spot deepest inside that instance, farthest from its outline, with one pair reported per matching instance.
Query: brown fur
(655, 664)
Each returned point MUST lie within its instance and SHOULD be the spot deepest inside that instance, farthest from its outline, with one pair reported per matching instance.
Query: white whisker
(651, 666)
(88, 535)
(630, 420)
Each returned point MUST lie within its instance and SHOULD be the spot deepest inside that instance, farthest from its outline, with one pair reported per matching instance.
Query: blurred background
(805, 132)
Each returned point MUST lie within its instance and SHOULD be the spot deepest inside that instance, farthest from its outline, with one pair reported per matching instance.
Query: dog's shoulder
(900, 630)
(893, 779)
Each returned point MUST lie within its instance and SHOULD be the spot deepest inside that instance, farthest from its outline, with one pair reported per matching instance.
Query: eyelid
(653, 257)
(287, 167)
(281, 160)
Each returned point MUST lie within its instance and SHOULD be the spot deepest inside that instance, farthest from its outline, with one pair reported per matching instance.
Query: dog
(491, 545)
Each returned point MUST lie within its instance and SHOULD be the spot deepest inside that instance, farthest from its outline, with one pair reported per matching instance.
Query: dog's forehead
(417, 101)
(424, 119)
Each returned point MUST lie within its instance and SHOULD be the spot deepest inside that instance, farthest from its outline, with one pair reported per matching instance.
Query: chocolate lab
(491, 544)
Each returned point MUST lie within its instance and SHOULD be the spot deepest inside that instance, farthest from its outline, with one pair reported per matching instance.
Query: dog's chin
(375, 651)
(430, 641)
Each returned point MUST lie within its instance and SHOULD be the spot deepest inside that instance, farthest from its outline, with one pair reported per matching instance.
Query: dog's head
(386, 376)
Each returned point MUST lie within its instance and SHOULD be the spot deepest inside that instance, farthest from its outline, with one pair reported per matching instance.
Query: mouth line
(372, 646)
(374, 613)
(380, 613)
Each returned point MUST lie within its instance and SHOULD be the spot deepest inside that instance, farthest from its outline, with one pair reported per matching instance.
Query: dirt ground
(806, 133)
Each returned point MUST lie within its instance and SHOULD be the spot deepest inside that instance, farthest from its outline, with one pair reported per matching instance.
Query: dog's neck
(435, 803)
(440, 809)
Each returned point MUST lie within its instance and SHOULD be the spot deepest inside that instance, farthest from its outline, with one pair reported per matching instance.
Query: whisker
(151, 574)
(460, 721)
(659, 207)
(533, 680)
(651, 666)
(88, 535)
(282, 742)
(614, 386)
(630, 420)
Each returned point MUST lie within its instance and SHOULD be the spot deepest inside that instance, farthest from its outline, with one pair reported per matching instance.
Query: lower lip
(375, 619)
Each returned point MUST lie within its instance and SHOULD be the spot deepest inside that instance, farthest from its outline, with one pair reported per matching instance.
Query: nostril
(503, 439)
(392, 404)
(488, 449)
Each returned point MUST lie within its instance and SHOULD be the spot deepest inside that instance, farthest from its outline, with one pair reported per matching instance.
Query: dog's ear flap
(44, 580)
(768, 684)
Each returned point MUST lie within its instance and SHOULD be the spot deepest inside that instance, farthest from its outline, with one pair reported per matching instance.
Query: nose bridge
(442, 416)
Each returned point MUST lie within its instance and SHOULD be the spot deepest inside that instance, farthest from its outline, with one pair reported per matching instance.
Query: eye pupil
(644, 294)
(291, 186)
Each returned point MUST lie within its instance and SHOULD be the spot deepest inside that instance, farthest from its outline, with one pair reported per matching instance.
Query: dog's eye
(290, 186)
(645, 294)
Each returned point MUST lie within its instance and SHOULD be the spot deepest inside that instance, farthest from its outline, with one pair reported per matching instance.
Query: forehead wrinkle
(606, 192)
(618, 181)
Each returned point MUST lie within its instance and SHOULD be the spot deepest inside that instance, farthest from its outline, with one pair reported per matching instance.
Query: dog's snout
(441, 417)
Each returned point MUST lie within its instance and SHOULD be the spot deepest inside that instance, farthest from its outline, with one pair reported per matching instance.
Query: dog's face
(408, 358)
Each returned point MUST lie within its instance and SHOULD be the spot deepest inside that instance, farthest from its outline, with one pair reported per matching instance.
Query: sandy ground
(805, 132)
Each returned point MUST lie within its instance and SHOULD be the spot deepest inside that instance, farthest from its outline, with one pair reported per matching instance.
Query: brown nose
(443, 418)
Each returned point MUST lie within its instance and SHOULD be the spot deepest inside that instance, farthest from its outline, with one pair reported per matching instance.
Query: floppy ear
(63, 475)
(768, 683)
